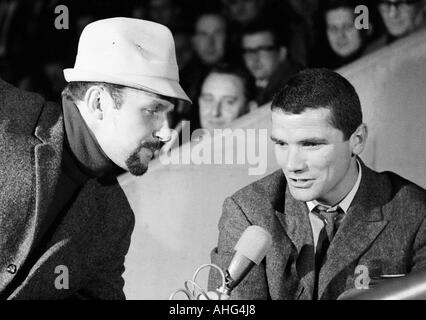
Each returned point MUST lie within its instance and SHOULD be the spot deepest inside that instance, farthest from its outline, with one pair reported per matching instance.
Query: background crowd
(232, 54)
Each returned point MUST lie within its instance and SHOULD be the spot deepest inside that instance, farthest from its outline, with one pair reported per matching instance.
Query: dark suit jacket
(90, 238)
(384, 230)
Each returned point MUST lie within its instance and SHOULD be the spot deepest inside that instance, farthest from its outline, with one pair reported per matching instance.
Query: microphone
(410, 287)
(250, 250)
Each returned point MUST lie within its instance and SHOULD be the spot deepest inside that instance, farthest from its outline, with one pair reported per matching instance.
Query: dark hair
(260, 26)
(321, 88)
(76, 90)
(233, 69)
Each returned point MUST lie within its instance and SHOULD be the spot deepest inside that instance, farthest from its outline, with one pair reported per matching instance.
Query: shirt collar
(346, 202)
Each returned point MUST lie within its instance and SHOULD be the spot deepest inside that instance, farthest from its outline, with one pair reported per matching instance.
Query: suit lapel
(362, 224)
(48, 155)
(26, 203)
(295, 221)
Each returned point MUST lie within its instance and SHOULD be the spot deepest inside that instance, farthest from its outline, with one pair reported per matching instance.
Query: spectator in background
(265, 56)
(400, 17)
(226, 94)
(209, 44)
(210, 38)
(305, 19)
(346, 43)
(243, 12)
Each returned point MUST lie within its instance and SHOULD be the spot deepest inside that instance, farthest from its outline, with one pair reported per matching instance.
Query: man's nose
(164, 134)
(295, 160)
(255, 57)
(341, 34)
(392, 11)
(215, 110)
(211, 41)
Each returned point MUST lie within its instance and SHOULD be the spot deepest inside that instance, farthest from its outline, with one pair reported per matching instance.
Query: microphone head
(254, 243)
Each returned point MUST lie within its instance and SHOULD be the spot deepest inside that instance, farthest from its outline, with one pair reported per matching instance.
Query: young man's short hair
(321, 88)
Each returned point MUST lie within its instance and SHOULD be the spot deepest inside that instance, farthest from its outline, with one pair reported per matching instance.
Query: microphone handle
(237, 270)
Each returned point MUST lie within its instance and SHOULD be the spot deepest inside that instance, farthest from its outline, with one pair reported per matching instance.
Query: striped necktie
(331, 219)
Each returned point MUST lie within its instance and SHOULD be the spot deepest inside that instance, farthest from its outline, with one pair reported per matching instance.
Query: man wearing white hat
(65, 223)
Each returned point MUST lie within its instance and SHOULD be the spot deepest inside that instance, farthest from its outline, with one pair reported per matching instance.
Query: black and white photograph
(223, 150)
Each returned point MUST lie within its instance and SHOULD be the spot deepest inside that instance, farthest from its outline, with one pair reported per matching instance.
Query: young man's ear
(358, 139)
(282, 53)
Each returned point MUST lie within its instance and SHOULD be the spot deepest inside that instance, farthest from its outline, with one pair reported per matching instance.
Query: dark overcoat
(78, 253)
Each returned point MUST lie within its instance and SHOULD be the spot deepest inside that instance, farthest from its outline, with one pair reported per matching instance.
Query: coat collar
(35, 161)
(361, 226)
(48, 155)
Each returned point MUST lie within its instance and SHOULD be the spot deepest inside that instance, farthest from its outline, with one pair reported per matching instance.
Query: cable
(191, 293)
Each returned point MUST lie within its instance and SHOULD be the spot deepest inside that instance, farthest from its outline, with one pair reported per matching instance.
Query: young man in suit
(327, 212)
(65, 223)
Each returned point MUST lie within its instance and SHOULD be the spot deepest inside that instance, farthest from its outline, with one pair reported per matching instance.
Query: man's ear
(358, 139)
(92, 102)
(96, 101)
(282, 53)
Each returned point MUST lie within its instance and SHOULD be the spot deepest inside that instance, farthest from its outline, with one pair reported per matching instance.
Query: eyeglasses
(397, 4)
(259, 50)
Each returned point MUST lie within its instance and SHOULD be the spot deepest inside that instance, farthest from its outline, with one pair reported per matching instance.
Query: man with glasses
(401, 17)
(265, 56)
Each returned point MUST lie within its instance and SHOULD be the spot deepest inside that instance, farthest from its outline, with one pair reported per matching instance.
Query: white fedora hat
(130, 52)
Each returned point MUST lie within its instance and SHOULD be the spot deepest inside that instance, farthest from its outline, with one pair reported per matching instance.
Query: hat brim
(161, 86)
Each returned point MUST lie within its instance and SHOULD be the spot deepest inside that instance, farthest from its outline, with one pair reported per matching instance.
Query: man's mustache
(153, 145)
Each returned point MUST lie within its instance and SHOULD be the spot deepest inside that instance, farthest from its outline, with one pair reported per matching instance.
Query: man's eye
(230, 101)
(311, 144)
(280, 143)
(151, 111)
